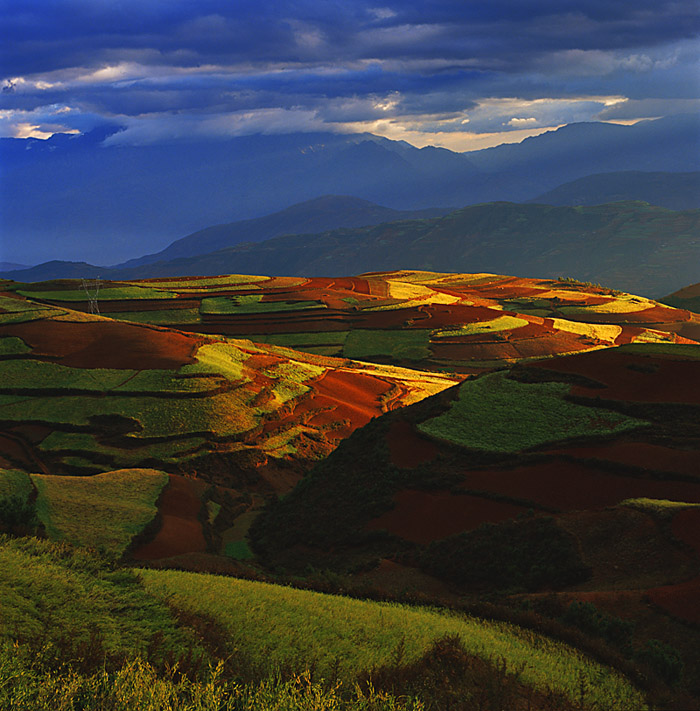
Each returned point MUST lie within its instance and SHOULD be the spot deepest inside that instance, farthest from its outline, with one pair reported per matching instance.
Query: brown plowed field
(683, 600)
(646, 456)
(106, 344)
(631, 377)
(181, 532)
(407, 447)
(566, 485)
(345, 395)
(650, 317)
(425, 516)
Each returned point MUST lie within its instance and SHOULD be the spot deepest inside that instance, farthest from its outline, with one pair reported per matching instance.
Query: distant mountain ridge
(632, 246)
(676, 191)
(89, 198)
(318, 215)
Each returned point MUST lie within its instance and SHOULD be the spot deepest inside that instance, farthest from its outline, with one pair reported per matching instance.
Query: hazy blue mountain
(676, 191)
(90, 198)
(632, 246)
(317, 215)
(5, 266)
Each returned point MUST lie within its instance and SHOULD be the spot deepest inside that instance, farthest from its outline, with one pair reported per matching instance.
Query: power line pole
(92, 289)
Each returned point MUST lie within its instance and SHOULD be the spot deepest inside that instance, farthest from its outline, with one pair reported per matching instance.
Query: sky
(461, 74)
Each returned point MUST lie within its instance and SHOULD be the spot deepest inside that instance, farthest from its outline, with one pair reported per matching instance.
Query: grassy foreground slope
(78, 632)
(344, 636)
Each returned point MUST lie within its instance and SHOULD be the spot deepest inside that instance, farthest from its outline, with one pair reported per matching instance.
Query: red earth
(646, 456)
(407, 447)
(565, 485)
(627, 376)
(683, 600)
(425, 516)
(110, 344)
(181, 531)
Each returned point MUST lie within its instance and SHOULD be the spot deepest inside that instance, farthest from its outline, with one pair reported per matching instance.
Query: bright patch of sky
(462, 75)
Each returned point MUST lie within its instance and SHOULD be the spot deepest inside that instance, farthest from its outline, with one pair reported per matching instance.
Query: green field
(164, 317)
(275, 624)
(496, 414)
(104, 511)
(251, 304)
(411, 344)
(110, 293)
(502, 323)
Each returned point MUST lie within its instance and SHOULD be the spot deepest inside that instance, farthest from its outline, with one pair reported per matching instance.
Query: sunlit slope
(343, 636)
(459, 322)
(81, 393)
(581, 432)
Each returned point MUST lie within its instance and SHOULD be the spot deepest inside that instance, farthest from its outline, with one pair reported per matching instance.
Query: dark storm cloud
(346, 60)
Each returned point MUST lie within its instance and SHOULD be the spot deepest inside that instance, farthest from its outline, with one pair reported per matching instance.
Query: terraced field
(444, 435)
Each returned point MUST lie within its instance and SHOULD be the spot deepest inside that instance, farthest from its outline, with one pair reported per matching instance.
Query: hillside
(675, 191)
(318, 215)
(634, 247)
(686, 298)
(571, 479)
(414, 436)
(631, 246)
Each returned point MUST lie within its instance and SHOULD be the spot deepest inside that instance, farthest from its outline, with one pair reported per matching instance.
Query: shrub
(588, 618)
(522, 554)
(662, 659)
(17, 516)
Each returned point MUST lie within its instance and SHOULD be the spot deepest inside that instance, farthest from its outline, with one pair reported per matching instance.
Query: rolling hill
(410, 436)
(631, 246)
(675, 191)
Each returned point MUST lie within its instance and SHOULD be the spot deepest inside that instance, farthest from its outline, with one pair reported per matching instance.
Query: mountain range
(90, 197)
(631, 246)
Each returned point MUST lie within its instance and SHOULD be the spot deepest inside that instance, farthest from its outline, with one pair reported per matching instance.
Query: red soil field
(680, 600)
(565, 485)
(181, 532)
(407, 447)
(650, 317)
(138, 305)
(646, 456)
(355, 397)
(444, 316)
(340, 401)
(425, 516)
(631, 377)
(105, 344)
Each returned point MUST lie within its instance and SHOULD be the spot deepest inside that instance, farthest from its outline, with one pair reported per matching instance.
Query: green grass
(299, 340)
(51, 592)
(411, 344)
(104, 511)
(658, 506)
(137, 685)
(230, 280)
(11, 345)
(274, 625)
(493, 413)
(238, 550)
(680, 350)
(252, 304)
(502, 323)
(163, 317)
(110, 293)
(15, 483)
(66, 444)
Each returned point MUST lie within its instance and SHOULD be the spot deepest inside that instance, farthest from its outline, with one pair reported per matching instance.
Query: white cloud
(521, 122)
